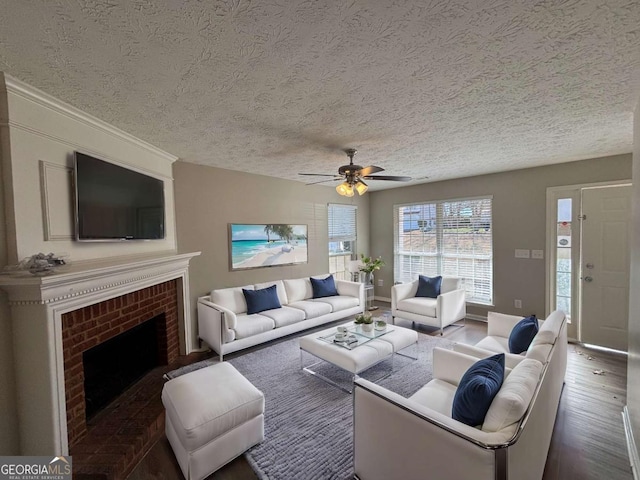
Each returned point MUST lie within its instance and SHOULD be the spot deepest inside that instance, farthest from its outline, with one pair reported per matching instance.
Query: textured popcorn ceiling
(437, 88)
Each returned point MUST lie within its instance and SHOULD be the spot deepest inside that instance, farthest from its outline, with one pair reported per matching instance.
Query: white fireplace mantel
(37, 305)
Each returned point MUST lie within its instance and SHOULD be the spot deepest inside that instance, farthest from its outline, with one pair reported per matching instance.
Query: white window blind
(342, 239)
(342, 223)
(452, 238)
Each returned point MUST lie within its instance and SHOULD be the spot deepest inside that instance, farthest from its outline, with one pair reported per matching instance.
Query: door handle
(588, 279)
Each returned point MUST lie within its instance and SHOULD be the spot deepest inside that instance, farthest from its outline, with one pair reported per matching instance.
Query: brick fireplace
(87, 327)
(56, 317)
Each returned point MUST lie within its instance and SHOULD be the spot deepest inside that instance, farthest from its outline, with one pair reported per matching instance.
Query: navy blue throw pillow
(323, 287)
(476, 390)
(429, 286)
(261, 300)
(522, 334)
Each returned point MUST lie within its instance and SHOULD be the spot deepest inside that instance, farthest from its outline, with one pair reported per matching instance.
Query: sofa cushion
(543, 337)
(539, 352)
(282, 293)
(429, 286)
(512, 401)
(553, 323)
(522, 334)
(323, 287)
(312, 308)
(494, 344)
(298, 289)
(284, 316)
(476, 390)
(231, 298)
(436, 395)
(418, 305)
(249, 325)
(339, 302)
(261, 300)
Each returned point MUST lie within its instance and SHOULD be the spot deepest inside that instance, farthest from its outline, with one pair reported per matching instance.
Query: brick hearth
(115, 439)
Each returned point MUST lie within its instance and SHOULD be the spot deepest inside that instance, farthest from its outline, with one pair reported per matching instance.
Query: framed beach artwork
(257, 246)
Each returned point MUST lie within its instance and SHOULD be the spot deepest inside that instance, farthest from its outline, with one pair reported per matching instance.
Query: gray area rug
(309, 423)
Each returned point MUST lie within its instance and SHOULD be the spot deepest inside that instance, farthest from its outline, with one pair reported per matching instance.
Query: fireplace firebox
(111, 367)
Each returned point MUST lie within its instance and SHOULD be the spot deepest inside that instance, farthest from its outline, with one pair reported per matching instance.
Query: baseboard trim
(634, 459)
(382, 299)
(478, 318)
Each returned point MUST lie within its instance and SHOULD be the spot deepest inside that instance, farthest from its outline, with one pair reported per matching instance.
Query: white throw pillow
(298, 289)
(231, 298)
(513, 398)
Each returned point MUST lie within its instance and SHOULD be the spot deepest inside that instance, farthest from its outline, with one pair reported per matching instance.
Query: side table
(368, 291)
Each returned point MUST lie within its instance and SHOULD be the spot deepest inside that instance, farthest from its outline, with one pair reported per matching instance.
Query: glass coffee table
(356, 337)
(365, 350)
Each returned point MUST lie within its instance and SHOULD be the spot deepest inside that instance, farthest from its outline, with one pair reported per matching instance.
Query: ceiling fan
(354, 176)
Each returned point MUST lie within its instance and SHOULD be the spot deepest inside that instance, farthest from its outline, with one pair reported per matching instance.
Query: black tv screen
(114, 203)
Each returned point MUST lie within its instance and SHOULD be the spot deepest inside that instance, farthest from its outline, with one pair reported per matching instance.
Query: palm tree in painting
(285, 232)
(269, 229)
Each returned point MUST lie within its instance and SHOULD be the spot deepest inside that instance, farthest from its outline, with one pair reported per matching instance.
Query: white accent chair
(448, 308)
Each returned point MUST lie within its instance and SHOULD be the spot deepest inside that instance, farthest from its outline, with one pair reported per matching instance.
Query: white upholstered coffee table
(371, 349)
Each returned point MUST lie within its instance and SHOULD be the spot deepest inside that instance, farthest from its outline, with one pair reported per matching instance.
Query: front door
(604, 281)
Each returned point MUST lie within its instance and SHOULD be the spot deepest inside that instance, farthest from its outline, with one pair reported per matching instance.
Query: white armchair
(448, 308)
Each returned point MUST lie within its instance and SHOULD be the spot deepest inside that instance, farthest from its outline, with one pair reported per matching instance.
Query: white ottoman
(212, 415)
(360, 358)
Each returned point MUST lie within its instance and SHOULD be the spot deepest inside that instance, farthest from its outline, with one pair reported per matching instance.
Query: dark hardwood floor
(588, 439)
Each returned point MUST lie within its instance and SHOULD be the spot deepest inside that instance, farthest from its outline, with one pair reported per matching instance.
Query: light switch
(522, 253)
(539, 254)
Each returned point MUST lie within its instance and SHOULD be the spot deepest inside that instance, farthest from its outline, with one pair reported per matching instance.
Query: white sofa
(397, 437)
(449, 307)
(224, 324)
(499, 326)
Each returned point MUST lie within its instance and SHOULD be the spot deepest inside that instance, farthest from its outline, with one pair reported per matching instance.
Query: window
(342, 239)
(446, 238)
(563, 256)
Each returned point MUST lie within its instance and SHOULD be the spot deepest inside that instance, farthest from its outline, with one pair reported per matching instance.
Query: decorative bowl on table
(381, 325)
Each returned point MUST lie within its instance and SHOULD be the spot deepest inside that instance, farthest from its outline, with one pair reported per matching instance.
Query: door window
(563, 256)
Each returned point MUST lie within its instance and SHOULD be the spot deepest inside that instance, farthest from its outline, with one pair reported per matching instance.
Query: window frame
(440, 255)
(335, 262)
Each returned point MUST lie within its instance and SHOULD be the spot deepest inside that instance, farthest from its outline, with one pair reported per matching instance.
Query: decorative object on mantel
(370, 265)
(39, 264)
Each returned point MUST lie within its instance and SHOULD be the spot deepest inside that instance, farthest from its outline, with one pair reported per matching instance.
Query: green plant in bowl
(380, 325)
(363, 319)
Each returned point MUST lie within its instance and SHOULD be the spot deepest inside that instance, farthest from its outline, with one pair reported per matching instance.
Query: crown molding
(17, 87)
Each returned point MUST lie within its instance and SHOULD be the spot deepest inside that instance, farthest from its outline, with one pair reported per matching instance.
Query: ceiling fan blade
(324, 181)
(319, 174)
(369, 170)
(388, 177)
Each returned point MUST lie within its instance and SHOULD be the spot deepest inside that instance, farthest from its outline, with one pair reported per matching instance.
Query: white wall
(633, 367)
(208, 199)
(36, 130)
(519, 222)
(43, 129)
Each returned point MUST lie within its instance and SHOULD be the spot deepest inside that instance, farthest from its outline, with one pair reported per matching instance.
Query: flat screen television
(114, 203)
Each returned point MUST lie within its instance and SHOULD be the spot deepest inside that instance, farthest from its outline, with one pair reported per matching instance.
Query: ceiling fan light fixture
(350, 191)
(345, 189)
(361, 187)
